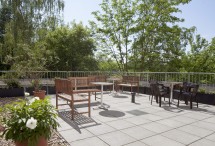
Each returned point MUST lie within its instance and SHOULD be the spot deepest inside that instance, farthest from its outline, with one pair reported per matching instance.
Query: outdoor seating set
(186, 91)
(74, 89)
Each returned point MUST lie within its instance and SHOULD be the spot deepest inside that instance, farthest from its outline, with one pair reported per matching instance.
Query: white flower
(24, 120)
(27, 94)
(20, 121)
(31, 123)
(30, 110)
(37, 98)
(31, 100)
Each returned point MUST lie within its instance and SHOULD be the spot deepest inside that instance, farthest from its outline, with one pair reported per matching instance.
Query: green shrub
(12, 83)
(201, 90)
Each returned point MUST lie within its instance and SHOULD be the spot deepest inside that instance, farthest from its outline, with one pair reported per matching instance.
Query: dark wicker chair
(159, 91)
(190, 94)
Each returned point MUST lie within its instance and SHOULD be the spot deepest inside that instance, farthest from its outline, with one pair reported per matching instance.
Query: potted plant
(29, 123)
(13, 89)
(31, 63)
(37, 89)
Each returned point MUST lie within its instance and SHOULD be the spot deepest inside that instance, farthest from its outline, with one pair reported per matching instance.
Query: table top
(101, 83)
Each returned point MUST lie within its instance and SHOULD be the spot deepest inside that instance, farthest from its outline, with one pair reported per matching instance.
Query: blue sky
(199, 13)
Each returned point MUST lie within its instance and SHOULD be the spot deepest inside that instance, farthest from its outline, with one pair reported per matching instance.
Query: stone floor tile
(201, 132)
(116, 138)
(183, 119)
(171, 123)
(73, 135)
(64, 126)
(211, 137)
(100, 129)
(203, 142)
(152, 117)
(120, 124)
(156, 127)
(137, 120)
(164, 114)
(210, 120)
(180, 136)
(138, 132)
(197, 115)
(160, 140)
(93, 141)
(206, 125)
(137, 143)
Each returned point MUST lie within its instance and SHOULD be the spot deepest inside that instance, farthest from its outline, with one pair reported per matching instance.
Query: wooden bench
(129, 81)
(65, 90)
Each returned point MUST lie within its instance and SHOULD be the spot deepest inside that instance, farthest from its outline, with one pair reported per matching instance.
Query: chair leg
(178, 99)
(56, 101)
(89, 112)
(169, 101)
(95, 95)
(151, 99)
(159, 101)
(191, 102)
(72, 108)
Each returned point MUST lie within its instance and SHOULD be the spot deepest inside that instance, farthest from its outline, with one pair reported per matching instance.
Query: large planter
(41, 94)
(206, 98)
(11, 92)
(41, 142)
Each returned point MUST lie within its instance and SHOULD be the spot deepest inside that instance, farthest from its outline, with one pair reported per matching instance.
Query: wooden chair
(64, 90)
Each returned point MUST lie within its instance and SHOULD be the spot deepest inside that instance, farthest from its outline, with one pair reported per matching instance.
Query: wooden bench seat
(64, 90)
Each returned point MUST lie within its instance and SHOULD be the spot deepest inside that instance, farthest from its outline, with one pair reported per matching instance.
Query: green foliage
(113, 29)
(29, 60)
(25, 22)
(141, 35)
(201, 90)
(12, 83)
(36, 84)
(160, 42)
(17, 115)
(73, 48)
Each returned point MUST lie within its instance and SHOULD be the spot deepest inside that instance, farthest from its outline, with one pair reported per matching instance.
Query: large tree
(141, 34)
(27, 17)
(73, 47)
(160, 42)
(113, 29)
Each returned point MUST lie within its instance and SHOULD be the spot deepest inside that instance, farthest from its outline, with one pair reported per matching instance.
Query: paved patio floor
(139, 123)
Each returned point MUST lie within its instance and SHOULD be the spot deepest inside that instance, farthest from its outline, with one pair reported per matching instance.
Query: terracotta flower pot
(41, 94)
(41, 142)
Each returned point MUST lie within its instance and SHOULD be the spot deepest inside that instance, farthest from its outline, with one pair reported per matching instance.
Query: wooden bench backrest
(79, 81)
(63, 86)
(130, 78)
(99, 78)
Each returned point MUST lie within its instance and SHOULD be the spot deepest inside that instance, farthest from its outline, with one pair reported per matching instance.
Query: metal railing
(205, 80)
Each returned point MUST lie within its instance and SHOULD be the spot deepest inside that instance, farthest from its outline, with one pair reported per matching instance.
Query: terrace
(139, 123)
